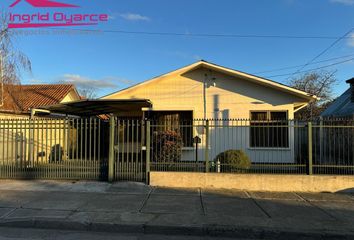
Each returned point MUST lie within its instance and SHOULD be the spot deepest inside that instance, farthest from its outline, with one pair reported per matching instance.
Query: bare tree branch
(13, 61)
(320, 84)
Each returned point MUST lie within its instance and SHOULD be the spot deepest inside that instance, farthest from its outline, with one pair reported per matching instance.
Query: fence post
(309, 164)
(111, 149)
(207, 146)
(148, 135)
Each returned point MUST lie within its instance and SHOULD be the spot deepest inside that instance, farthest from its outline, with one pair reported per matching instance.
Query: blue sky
(112, 61)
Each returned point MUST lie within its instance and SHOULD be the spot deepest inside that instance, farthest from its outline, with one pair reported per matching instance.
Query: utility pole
(207, 81)
(204, 93)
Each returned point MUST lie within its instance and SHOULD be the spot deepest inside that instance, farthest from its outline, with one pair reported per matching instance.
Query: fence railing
(79, 148)
(52, 149)
(273, 147)
(129, 159)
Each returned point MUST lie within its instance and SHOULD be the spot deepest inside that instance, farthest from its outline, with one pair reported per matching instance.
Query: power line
(202, 34)
(313, 69)
(296, 66)
(323, 52)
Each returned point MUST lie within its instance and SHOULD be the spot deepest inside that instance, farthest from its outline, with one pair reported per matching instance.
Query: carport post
(111, 149)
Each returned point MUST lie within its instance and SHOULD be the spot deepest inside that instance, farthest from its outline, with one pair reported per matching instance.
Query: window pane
(277, 115)
(258, 132)
(269, 134)
(258, 116)
(177, 121)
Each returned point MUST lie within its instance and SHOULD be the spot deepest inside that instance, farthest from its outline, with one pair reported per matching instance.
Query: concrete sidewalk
(134, 207)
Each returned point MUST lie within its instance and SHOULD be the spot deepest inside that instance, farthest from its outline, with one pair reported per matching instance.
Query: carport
(87, 108)
(102, 138)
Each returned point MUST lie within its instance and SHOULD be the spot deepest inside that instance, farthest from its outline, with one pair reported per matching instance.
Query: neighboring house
(19, 100)
(229, 94)
(343, 106)
(21, 142)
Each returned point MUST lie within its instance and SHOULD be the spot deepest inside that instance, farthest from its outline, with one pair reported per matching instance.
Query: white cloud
(351, 40)
(184, 55)
(134, 17)
(85, 82)
(345, 2)
(197, 57)
(35, 81)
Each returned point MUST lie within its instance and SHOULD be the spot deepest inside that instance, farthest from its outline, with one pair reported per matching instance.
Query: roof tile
(21, 98)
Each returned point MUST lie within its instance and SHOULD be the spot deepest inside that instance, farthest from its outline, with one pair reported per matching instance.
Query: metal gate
(127, 159)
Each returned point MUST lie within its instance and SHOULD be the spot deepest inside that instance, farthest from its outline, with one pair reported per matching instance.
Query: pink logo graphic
(44, 3)
(52, 19)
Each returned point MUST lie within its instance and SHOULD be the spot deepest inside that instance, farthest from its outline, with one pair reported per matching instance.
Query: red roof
(21, 98)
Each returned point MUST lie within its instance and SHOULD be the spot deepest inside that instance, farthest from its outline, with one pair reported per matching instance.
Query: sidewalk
(134, 207)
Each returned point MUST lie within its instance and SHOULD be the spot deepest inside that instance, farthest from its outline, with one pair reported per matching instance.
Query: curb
(202, 230)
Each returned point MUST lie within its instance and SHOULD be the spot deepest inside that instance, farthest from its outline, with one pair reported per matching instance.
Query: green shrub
(233, 161)
(167, 146)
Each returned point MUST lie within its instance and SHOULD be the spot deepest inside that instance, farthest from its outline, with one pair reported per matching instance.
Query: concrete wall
(253, 182)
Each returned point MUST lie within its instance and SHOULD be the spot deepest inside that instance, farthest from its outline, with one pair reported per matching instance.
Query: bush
(56, 153)
(167, 146)
(233, 161)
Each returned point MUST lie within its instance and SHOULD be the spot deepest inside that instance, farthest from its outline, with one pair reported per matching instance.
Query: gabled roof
(341, 107)
(350, 81)
(21, 98)
(232, 72)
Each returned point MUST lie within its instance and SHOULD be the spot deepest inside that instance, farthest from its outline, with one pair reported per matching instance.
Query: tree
(87, 92)
(13, 62)
(84, 89)
(320, 84)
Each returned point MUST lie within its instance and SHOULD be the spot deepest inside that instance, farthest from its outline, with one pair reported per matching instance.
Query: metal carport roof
(98, 107)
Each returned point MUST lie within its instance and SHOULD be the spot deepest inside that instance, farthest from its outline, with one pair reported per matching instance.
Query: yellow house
(206, 90)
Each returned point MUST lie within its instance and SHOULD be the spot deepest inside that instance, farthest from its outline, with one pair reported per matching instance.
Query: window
(178, 121)
(269, 129)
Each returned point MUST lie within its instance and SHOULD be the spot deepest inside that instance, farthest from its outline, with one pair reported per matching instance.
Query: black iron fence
(128, 149)
(52, 149)
(246, 146)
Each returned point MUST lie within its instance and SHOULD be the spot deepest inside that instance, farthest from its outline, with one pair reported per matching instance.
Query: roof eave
(260, 80)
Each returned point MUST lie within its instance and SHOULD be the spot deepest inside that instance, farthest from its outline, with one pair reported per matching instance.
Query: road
(44, 234)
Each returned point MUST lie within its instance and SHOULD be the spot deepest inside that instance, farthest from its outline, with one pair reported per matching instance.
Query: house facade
(208, 91)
